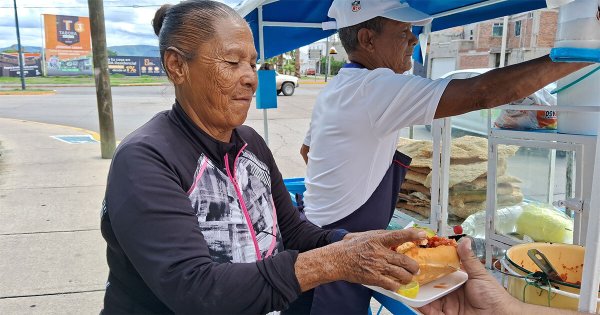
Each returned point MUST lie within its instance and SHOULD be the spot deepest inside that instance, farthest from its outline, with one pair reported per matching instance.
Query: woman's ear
(175, 66)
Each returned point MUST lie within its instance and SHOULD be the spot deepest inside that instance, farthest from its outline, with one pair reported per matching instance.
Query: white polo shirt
(353, 135)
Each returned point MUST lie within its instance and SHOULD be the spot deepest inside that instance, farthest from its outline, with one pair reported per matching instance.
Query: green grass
(115, 79)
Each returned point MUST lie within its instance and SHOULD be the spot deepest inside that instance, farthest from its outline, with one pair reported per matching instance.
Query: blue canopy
(447, 14)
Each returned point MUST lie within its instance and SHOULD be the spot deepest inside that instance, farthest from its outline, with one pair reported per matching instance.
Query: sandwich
(436, 256)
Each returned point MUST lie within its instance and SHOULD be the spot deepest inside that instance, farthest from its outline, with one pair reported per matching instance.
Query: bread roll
(434, 263)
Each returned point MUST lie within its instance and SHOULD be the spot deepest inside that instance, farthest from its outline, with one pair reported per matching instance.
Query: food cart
(283, 25)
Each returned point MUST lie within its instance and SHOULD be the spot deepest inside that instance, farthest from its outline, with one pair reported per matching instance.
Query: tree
(297, 62)
(334, 65)
(111, 53)
(280, 63)
(288, 68)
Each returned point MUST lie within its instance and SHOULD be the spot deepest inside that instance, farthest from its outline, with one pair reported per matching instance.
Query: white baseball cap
(352, 12)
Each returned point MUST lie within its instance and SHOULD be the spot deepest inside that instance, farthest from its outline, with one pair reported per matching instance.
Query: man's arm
(501, 86)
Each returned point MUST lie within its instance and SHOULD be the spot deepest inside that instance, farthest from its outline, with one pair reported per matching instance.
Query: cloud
(125, 24)
(128, 22)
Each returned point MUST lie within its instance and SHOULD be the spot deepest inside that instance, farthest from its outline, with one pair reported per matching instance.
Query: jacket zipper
(242, 202)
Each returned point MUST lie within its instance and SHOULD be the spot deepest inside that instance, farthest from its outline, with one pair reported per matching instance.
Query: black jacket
(198, 226)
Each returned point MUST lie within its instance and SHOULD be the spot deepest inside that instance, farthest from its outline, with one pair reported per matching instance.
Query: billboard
(151, 66)
(135, 66)
(9, 64)
(67, 45)
(129, 66)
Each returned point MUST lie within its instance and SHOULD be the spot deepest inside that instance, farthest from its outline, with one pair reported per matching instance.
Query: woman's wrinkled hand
(368, 258)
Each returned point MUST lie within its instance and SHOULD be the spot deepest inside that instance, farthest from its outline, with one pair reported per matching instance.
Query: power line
(85, 7)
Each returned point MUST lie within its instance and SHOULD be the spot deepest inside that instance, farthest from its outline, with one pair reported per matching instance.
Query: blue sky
(124, 25)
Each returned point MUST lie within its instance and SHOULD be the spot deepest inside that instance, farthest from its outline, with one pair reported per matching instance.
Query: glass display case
(415, 200)
(553, 174)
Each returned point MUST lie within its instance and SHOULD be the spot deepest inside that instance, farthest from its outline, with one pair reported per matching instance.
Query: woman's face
(222, 77)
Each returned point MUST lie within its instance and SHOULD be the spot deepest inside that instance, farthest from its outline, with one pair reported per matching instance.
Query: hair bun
(159, 17)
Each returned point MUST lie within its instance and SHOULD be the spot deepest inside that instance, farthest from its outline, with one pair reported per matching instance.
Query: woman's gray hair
(188, 24)
(349, 35)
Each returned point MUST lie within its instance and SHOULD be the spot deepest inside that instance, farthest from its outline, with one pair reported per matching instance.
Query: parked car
(286, 84)
(311, 71)
(476, 122)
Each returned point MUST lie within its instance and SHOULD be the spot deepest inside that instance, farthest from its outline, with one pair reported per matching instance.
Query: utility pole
(102, 78)
(327, 58)
(20, 50)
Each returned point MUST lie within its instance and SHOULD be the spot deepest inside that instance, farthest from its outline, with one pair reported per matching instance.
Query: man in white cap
(354, 171)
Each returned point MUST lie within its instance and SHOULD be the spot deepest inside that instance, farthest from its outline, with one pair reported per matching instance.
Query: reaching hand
(481, 294)
(367, 258)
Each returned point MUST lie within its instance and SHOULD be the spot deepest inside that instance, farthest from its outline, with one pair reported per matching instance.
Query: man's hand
(481, 294)
(304, 152)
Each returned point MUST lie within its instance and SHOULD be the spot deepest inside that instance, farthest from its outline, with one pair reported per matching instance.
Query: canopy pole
(327, 58)
(261, 46)
(504, 38)
(590, 277)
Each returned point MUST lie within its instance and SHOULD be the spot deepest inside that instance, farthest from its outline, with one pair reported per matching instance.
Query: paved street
(133, 106)
(52, 255)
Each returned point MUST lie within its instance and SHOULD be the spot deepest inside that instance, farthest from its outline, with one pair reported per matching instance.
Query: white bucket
(579, 27)
(584, 93)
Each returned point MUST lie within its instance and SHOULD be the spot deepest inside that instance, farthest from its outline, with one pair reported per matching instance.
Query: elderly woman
(196, 216)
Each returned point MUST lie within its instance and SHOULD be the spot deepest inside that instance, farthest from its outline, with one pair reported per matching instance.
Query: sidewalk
(52, 253)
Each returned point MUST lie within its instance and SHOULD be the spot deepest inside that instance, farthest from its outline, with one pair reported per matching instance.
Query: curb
(25, 93)
(94, 134)
(308, 82)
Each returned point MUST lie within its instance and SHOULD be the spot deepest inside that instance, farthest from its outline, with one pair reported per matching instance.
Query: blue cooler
(294, 186)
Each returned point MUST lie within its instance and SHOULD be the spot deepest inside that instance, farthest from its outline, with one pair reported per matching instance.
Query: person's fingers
(452, 303)
(400, 260)
(388, 283)
(400, 274)
(433, 308)
(470, 262)
(395, 238)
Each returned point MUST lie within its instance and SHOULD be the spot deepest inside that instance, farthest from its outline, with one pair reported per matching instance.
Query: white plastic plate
(429, 292)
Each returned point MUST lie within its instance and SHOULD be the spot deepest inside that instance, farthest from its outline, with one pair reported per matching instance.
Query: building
(334, 41)
(530, 35)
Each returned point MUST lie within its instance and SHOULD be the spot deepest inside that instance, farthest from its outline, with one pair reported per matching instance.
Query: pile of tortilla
(468, 177)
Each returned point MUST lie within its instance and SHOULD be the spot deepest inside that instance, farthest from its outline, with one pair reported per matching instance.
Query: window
(518, 28)
(497, 30)
(471, 35)
(497, 60)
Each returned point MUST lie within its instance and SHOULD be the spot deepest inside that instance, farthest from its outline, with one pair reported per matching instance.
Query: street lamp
(330, 51)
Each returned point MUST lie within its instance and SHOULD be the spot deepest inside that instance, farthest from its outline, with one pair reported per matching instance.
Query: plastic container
(578, 27)
(584, 93)
(506, 219)
(294, 186)
(566, 259)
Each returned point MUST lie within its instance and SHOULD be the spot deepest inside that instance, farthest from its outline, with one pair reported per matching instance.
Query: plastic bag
(544, 223)
(527, 119)
(506, 219)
